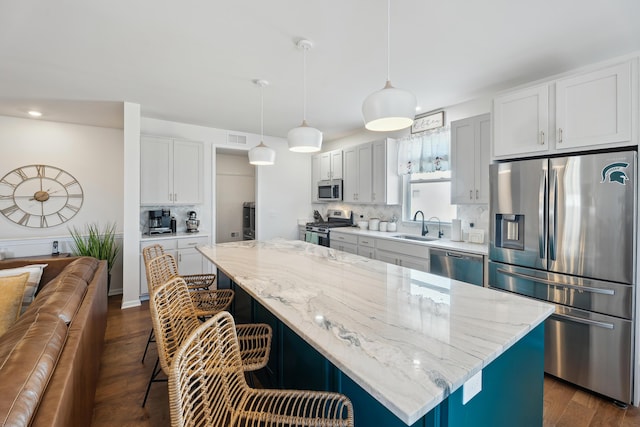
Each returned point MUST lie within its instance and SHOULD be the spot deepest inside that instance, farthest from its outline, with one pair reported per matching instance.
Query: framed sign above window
(427, 122)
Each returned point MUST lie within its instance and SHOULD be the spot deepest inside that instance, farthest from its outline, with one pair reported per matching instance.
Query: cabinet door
(156, 171)
(336, 164)
(521, 122)
(379, 172)
(325, 165)
(365, 175)
(388, 257)
(413, 262)
(188, 174)
(366, 252)
(594, 108)
(463, 136)
(482, 158)
(315, 176)
(190, 261)
(350, 175)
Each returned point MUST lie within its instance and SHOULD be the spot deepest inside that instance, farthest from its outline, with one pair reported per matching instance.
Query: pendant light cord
(261, 113)
(388, 39)
(304, 84)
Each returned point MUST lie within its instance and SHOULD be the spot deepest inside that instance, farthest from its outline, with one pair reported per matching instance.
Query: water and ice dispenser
(509, 229)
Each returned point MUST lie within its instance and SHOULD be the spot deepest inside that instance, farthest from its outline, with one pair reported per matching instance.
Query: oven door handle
(589, 322)
(564, 285)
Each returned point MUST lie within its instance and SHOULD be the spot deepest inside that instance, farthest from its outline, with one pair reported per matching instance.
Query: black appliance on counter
(248, 221)
(159, 221)
(318, 231)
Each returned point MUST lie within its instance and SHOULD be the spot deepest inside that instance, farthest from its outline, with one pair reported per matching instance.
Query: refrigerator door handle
(542, 208)
(553, 215)
(584, 321)
(560, 284)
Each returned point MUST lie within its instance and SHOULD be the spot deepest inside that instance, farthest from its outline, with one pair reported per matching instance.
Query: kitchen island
(407, 347)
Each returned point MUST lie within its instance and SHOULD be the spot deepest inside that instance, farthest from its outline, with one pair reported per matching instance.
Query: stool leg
(154, 374)
(149, 340)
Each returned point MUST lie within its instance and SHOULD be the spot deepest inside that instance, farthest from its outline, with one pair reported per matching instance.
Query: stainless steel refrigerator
(563, 229)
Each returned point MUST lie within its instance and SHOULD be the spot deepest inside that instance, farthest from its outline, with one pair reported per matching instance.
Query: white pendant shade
(261, 155)
(389, 109)
(304, 139)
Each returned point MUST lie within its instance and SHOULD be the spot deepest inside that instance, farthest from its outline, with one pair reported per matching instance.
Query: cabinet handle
(470, 194)
(170, 197)
(541, 137)
(477, 194)
(175, 197)
(560, 135)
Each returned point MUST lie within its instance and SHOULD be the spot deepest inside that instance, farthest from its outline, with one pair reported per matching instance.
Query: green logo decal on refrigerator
(614, 172)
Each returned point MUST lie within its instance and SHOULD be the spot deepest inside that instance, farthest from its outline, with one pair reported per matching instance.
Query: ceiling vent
(236, 139)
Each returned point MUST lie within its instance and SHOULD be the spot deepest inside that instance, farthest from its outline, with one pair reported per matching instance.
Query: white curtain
(424, 152)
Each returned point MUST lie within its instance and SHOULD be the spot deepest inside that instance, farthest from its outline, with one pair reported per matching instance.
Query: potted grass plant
(98, 243)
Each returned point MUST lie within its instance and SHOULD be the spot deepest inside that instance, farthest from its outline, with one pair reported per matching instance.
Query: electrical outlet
(235, 234)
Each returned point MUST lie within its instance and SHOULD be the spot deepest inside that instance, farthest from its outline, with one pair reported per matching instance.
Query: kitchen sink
(414, 237)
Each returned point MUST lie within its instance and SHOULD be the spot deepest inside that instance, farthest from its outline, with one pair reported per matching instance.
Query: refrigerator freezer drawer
(609, 298)
(590, 350)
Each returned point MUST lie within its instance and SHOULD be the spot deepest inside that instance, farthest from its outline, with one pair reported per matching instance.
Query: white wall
(93, 155)
(235, 184)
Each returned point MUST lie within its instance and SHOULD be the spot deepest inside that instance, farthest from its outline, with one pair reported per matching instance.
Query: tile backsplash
(478, 215)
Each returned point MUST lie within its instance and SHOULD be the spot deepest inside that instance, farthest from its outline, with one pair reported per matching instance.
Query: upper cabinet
(594, 108)
(171, 171)
(315, 177)
(521, 122)
(370, 173)
(584, 111)
(330, 165)
(470, 143)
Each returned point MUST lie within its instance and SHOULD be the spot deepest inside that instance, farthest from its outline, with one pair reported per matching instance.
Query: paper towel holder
(456, 230)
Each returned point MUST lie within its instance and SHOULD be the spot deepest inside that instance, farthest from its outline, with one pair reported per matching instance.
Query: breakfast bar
(407, 347)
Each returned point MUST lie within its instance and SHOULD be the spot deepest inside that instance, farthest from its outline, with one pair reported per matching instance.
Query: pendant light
(261, 154)
(389, 108)
(304, 139)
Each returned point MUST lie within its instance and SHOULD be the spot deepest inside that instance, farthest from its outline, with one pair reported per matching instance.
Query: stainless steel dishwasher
(457, 265)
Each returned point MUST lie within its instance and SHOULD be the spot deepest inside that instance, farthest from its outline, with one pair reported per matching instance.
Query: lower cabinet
(403, 254)
(367, 247)
(183, 249)
(344, 242)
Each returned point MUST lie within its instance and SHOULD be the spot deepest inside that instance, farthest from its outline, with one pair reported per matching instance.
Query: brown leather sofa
(50, 358)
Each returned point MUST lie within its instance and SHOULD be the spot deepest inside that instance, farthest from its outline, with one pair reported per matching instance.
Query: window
(423, 161)
(430, 193)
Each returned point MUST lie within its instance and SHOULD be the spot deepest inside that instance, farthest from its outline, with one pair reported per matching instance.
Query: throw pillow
(11, 292)
(35, 273)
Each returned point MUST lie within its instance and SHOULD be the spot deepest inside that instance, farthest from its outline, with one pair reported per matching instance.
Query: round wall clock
(40, 196)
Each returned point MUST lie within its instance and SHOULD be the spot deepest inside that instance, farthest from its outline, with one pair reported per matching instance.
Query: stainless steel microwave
(330, 190)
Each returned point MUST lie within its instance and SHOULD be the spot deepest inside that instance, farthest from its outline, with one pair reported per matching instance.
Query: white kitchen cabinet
(357, 184)
(367, 247)
(594, 108)
(171, 171)
(315, 177)
(330, 164)
(183, 249)
(470, 145)
(582, 111)
(370, 173)
(408, 255)
(521, 122)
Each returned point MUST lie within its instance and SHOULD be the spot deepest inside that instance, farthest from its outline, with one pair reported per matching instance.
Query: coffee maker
(192, 222)
(159, 221)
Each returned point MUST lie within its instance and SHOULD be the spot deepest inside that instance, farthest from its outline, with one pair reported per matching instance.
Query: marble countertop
(474, 248)
(408, 338)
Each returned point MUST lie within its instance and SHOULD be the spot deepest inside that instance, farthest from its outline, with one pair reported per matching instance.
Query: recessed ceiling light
(418, 108)
(34, 113)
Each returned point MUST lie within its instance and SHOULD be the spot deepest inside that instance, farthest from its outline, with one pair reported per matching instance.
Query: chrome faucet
(425, 230)
(440, 233)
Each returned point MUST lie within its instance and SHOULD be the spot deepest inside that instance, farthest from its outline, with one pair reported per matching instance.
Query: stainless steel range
(318, 232)
(563, 230)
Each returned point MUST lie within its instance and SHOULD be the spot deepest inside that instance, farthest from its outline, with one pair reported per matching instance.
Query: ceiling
(195, 61)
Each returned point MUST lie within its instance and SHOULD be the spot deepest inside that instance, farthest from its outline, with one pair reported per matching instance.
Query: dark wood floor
(123, 380)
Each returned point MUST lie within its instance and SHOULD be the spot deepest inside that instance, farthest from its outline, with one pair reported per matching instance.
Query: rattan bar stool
(207, 387)
(174, 317)
(194, 281)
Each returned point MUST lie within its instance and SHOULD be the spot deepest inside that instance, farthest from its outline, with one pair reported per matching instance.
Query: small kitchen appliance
(330, 190)
(248, 221)
(193, 222)
(159, 221)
